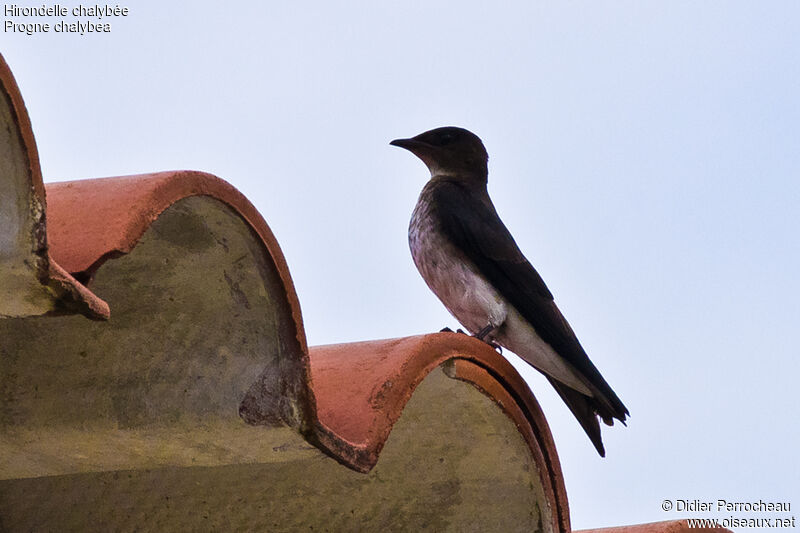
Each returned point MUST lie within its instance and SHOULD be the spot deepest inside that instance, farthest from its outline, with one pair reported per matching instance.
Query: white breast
(454, 280)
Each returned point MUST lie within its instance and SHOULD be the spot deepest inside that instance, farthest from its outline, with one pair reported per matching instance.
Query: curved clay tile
(30, 282)
(97, 219)
(362, 388)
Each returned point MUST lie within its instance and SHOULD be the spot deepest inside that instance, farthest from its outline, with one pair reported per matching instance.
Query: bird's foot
(481, 336)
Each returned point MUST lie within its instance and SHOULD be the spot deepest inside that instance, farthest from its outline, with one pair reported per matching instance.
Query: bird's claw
(495, 346)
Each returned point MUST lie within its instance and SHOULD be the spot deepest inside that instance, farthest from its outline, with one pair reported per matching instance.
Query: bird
(470, 261)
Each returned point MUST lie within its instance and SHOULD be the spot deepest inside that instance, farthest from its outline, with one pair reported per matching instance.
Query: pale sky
(644, 155)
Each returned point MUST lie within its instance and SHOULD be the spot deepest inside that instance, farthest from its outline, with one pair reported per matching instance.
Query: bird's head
(449, 151)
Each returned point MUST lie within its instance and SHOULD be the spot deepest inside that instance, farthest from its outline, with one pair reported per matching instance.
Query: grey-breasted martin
(470, 261)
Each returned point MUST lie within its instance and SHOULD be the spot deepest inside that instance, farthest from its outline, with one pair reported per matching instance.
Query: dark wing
(470, 221)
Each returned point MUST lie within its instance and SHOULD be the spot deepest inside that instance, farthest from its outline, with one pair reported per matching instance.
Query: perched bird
(470, 261)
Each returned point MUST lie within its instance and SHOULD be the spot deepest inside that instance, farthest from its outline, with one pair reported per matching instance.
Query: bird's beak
(404, 143)
(419, 148)
(413, 145)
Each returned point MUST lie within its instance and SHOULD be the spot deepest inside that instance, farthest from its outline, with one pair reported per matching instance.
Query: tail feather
(583, 407)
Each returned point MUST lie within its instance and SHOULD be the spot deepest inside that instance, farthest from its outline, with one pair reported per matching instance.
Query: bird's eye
(446, 138)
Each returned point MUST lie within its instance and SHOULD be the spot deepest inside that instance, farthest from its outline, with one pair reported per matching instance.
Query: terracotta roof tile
(96, 219)
(361, 389)
(49, 289)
